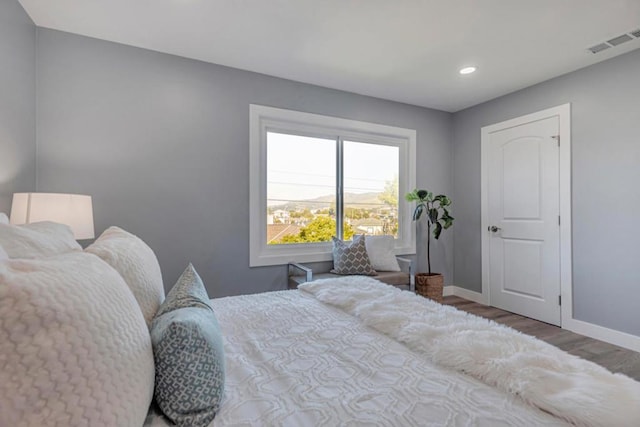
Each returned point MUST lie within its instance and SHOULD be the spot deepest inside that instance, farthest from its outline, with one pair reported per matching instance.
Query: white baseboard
(470, 295)
(464, 293)
(611, 336)
(622, 339)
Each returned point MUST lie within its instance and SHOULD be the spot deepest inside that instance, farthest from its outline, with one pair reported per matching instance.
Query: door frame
(564, 119)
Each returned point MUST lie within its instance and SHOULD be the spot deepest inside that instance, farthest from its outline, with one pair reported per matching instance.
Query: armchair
(404, 279)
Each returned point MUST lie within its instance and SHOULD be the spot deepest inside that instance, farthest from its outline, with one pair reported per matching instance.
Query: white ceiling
(403, 50)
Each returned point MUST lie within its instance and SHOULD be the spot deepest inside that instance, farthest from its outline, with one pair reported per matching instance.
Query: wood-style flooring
(614, 358)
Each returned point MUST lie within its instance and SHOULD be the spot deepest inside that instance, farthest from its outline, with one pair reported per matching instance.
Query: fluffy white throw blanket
(564, 385)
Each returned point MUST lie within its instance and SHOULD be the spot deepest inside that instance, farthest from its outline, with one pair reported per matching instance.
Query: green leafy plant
(319, 230)
(436, 211)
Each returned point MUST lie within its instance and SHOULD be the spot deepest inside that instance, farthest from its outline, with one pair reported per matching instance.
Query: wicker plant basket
(430, 285)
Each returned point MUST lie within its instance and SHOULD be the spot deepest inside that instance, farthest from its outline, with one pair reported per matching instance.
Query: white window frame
(263, 119)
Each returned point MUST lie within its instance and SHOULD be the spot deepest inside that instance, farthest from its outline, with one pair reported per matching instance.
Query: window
(313, 177)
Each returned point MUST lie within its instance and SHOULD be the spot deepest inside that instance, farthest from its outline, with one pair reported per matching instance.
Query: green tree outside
(389, 195)
(356, 213)
(321, 229)
(306, 213)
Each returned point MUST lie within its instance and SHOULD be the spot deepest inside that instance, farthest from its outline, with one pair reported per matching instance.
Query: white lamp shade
(74, 210)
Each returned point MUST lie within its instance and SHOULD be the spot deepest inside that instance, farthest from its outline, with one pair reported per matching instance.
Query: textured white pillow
(37, 240)
(136, 263)
(4, 219)
(380, 251)
(75, 350)
(3, 254)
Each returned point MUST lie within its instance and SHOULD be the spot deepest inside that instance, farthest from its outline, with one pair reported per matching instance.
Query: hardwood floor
(614, 358)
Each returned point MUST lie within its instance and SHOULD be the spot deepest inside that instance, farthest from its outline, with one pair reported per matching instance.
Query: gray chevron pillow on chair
(351, 257)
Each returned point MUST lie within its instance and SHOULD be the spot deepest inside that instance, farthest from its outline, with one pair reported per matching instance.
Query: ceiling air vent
(616, 41)
(619, 40)
(599, 47)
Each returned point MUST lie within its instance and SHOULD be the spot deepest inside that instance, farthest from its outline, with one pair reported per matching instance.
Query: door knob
(494, 229)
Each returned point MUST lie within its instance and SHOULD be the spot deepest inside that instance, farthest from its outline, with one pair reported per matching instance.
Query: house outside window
(313, 177)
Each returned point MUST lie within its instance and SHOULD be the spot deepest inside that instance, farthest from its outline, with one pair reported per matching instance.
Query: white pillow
(136, 263)
(3, 254)
(75, 348)
(380, 251)
(37, 240)
(4, 219)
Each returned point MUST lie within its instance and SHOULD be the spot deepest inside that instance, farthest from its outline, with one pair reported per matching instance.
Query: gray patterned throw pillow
(189, 291)
(351, 257)
(189, 355)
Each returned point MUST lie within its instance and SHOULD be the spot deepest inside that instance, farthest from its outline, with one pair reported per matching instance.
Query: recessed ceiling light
(467, 70)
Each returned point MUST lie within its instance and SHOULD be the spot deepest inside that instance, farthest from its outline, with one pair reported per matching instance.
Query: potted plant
(431, 284)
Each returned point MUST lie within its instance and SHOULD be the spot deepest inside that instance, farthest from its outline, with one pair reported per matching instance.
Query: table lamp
(74, 210)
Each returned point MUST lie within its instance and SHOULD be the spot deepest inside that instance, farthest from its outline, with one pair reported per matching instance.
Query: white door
(523, 218)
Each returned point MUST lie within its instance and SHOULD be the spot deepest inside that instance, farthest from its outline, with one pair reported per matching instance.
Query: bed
(348, 351)
(294, 360)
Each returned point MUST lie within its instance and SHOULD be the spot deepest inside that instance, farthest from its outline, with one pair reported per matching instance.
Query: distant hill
(361, 200)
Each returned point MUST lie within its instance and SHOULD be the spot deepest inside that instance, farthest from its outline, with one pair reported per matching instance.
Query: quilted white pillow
(380, 251)
(4, 219)
(37, 240)
(75, 348)
(136, 263)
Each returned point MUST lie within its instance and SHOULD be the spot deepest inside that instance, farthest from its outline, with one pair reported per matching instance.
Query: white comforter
(294, 361)
(571, 388)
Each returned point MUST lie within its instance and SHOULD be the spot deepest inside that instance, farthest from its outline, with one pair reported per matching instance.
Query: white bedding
(294, 361)
(544, 376)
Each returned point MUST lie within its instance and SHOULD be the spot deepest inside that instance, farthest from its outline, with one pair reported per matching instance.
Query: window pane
(371, 174)
(301, 187)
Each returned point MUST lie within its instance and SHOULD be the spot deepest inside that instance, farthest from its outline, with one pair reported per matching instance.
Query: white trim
(464, 293)
(563, 112)
(611, 336)
(470, 295)
(622, 339)
(566, 246)
(261, 119)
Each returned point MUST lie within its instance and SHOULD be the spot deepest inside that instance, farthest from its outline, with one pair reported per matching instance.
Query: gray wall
(605, 125)
(17, 102)
(162, 145)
